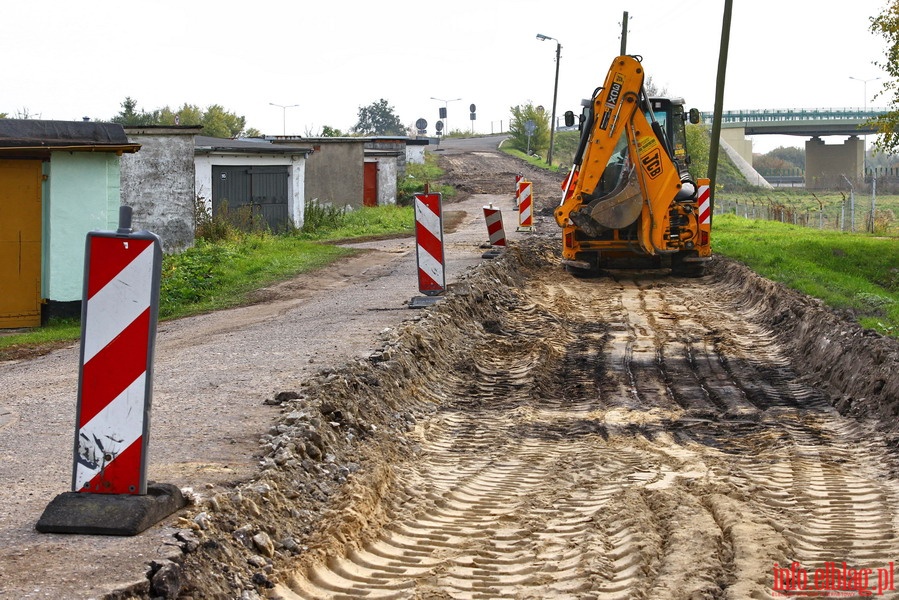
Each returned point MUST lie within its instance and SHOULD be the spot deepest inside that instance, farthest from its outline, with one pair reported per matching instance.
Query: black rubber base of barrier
(110, 514)
(423, 301)
(492, 253)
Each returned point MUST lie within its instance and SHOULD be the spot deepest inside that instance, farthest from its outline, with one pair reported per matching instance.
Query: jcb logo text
(653, 163)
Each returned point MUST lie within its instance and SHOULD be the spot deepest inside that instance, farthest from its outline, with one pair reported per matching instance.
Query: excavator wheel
(682, 268)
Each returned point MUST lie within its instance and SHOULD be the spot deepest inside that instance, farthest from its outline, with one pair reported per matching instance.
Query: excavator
(629, 199)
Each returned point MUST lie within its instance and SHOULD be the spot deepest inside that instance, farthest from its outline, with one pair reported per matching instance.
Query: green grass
(211, 276)
(365, 222)
(537, 161)
(857, 272)
(420, 175)
(57, 331)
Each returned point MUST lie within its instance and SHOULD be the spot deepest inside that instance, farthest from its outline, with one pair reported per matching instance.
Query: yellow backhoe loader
(629, 199)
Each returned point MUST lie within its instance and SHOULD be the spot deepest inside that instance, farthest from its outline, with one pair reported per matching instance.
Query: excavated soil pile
(540, 436)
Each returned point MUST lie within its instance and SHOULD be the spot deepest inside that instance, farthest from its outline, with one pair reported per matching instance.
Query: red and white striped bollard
(525, 205)
(429, 244)
(118, 331)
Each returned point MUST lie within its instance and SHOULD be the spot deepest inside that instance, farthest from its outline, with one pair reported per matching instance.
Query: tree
(794, 157)
(378, 118)
(130, 116)
(216, 121)
(328, 131)
(887, 25)
(539, 140)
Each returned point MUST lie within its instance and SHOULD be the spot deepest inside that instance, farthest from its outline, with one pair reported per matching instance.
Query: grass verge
(854, 273)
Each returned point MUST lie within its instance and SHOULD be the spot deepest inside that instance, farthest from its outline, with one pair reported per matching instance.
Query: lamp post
(552, 128)
(284, 115)
(864, 110)
(445, 108)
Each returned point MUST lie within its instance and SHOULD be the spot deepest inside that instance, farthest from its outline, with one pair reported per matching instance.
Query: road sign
(438, 126)
(472, 108)
(421, 124)
(530, 127)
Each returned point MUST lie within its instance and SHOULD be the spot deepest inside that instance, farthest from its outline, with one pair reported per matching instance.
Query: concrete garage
(58, 181)
(158, 183)
(269, 178)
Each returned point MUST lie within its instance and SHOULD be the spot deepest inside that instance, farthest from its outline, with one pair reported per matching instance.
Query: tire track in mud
(621, 437)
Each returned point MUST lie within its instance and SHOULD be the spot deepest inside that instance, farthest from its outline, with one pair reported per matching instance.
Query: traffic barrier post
(495, 231)
(429, 253)
(525, 205)
(120, 306)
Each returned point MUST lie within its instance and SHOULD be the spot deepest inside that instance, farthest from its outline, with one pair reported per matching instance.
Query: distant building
(268, 178)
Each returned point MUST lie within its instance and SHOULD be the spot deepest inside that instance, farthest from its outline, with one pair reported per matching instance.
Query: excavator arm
(620, 143)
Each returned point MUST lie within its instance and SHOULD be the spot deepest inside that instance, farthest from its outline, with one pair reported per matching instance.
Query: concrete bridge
(825, 164)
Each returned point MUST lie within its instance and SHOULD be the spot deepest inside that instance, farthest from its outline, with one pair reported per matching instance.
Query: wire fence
(854, 213)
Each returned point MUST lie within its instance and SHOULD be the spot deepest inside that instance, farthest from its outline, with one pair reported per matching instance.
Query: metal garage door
(263, 189)
(370, 184)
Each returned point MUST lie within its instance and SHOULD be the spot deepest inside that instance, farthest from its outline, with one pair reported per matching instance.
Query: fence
(853, 213)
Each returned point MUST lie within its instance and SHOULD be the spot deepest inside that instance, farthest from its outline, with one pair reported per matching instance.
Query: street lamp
(284, 115)
(552, 128)
(864, 110)
(445, 105)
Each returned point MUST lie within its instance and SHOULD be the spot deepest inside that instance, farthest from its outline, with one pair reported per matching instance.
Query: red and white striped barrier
(119, 313)
(518, 179)
(429, 244)
(525, 205)
(495, 231)
(705, 205)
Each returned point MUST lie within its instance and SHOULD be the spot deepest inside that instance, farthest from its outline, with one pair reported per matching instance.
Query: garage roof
(21, 135)
(209, 145)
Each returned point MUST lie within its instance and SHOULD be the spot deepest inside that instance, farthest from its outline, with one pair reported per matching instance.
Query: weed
(319, 217)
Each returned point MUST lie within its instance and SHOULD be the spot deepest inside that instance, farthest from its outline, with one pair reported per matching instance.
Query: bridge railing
(796, 114)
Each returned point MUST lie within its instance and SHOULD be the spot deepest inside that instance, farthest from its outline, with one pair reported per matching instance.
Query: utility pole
(552, 124)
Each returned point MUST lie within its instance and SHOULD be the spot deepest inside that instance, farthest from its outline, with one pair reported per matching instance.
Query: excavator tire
(682, 268)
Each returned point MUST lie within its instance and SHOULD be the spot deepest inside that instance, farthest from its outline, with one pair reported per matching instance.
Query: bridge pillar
(825, 164)
(736, 137)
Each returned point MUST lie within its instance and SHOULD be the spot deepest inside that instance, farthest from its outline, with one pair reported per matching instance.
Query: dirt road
(627, 437)
(531, 436)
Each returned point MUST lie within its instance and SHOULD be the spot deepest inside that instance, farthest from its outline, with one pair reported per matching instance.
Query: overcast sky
(65, 59)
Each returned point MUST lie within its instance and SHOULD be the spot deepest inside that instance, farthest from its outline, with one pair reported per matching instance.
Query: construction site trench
(536, 435)
(541, 436)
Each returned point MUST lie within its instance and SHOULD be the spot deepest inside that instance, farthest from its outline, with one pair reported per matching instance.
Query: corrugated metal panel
(263, 188)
